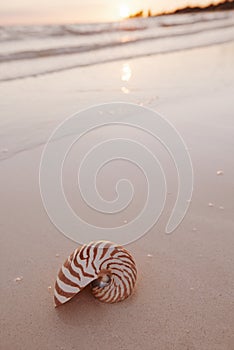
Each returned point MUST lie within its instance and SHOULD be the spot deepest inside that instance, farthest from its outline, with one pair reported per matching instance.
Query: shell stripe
(65, 276)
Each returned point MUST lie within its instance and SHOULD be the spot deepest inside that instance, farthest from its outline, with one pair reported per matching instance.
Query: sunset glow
(124, 11)
(79, 11)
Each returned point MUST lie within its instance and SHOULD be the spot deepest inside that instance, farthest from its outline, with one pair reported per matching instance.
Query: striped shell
(107, 267)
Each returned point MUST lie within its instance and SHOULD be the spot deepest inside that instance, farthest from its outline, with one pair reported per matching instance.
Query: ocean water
(35, 50)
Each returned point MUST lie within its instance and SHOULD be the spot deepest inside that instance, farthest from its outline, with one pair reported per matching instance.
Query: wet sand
(185, 292)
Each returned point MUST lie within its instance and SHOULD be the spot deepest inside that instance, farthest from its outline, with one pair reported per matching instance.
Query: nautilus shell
(107, 267)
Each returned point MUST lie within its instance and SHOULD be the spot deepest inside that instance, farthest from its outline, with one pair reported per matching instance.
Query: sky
(72, 11)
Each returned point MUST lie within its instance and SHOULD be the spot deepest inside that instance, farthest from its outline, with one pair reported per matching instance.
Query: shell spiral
(107, 267)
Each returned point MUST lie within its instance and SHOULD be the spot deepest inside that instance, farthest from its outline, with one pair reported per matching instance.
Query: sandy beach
(184, 299)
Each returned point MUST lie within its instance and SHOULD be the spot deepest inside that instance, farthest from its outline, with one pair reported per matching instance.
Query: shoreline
(118, 60)
(55, 49)
(7, 151)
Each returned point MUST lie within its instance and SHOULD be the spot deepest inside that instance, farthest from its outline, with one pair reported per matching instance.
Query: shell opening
(102, 281)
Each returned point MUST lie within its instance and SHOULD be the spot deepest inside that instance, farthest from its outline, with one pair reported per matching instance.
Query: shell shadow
(82, 309)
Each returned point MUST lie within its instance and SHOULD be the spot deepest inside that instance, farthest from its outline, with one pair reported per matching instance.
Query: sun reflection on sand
(126, 72)
(125, 90)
